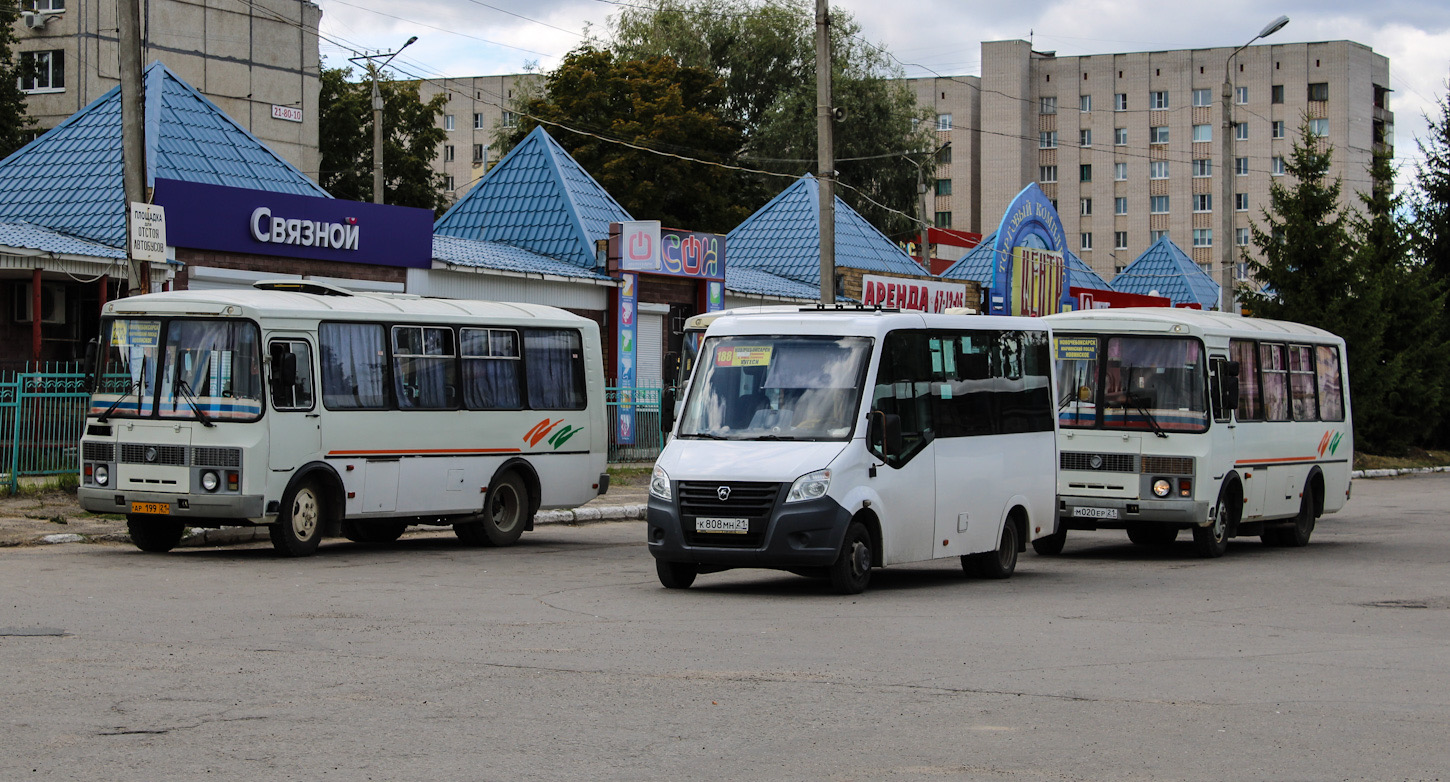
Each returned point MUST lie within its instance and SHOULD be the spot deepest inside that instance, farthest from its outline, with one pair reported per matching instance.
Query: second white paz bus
(831, 442)
(1176, 419)
(316, 411)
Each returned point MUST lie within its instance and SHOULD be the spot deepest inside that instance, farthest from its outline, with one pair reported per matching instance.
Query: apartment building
(257, 60)
(475, 114)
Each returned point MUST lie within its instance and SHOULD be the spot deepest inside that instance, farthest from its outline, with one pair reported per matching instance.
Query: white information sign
(639, 246)
(148, 232)
(289, 113)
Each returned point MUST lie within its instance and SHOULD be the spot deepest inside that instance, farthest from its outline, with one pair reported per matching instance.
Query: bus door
(907, 480)
(295, 419)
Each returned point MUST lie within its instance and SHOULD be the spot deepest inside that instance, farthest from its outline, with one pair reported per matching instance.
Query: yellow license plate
(154, 508)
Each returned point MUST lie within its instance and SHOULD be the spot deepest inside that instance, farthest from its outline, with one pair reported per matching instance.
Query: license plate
(154, 508)
(733, 526)
(1095, 513)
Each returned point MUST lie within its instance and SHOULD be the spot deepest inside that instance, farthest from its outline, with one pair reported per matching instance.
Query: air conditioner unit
(52, 304)
(35, 20)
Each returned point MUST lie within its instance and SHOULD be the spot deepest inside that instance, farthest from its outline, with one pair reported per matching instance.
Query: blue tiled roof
(1080, 275)
(537, 198)
(493, 255)
(1169, 271)
(977, 265)
(69, 179)
(34, 237)
(783, 237)
(759, 282)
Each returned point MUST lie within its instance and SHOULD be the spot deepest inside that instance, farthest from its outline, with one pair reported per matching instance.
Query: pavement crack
(165, 731)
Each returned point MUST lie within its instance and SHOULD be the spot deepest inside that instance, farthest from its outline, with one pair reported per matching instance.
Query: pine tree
(15, 124)
(1431, 232)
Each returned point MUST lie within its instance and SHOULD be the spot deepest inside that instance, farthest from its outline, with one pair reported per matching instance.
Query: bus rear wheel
(1295, 535)
(1051, 545)
(505, 514)
(373, 531)
(298, 529)
(154, 534)
(1152, 534)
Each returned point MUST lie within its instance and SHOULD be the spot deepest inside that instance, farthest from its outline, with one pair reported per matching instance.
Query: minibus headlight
(810, 487)
(103, 475)
(659, 484)
(210, 481)
(1161, 487)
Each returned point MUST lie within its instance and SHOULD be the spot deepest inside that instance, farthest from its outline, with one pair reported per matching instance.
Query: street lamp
(373, 71)
(1228, 300)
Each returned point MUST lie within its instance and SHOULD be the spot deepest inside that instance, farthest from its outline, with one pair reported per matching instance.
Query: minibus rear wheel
(154, 534)
(995, 564)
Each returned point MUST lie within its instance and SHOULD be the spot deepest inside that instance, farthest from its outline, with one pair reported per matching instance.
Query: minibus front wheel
(676, 575)
(852, 570)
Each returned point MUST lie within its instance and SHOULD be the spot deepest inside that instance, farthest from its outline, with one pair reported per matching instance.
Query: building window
(1120, 101)
(1241, 166)
(448, 122)
(478, 122)
(1203, 133)
(1241, 94)
(1087, 241)
(1241, 237)
(448, 155)
(1085, 172)
(43, 71)
(1120, 172)
(944, 156)
(1158, 100)
(1086, 205)
(1120, 136)
(1085, 137)
(448, 183)
(1276, 93)
(1278, 128)
(1120, 205)
(943, 122)
(1206, 267)
(478, 153)
(1158, 134)
(43, 6)
(510, 119)
(1319, 91)
(1202, 202)
(1158, 204)
(1158, 169)
(1203, 97)
(1278, 168)
(1154, 236)
(1047, 173)
(1202, 167)
(1203, 237)
(1241, 202)
(1047, 139)
(1319, 127)
(943, 219)
(943, 187)
(1120, 240)
(1241, 131)
(1241, 270)
(1048, 104)
(1084, 103)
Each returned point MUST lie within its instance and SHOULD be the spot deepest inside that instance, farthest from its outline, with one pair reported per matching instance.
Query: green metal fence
(648, 440)
(42, 414)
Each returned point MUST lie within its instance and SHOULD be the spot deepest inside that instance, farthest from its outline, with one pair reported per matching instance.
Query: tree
(15, 123)
(654, 103)
(765, 56)
(1431, 235)
(410, 141)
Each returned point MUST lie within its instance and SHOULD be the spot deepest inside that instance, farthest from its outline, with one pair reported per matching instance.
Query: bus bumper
(803, 534)
(1111, 513)
(216, 507)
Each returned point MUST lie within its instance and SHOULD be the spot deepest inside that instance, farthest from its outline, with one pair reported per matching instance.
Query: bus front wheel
(1212, 541)
(505, 514)
(154, 534)
(298, 528)
(1051, 545)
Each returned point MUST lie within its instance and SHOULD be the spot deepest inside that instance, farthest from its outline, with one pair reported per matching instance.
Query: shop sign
(626, 363)
(1030, 223)
(647, 248)
(906, 294)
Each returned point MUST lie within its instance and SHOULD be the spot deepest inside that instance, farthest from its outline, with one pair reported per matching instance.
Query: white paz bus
(830, 442)
(317, 411)
(1177, 419)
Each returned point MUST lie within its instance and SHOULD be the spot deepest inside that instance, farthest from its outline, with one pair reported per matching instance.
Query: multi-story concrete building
(475, 113)
(256, 60)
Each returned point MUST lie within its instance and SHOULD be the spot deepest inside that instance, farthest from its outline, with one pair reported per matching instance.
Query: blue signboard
(628, 304)
(1030, 224)
(256, 222)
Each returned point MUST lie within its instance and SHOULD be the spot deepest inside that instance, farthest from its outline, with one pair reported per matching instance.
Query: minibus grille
(1101, 462)
(98, 452)
(135, 453)
(211, 456)
(1171, 465)
(752, 501)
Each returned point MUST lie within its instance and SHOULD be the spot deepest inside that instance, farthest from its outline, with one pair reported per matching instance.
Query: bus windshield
(776, 388)
(1143, 383)
(209, 370)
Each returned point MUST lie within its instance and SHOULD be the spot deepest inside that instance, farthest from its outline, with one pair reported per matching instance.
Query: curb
(1396, 472)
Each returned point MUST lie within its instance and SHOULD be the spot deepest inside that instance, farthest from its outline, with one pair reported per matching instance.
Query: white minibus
(1175, 419)
(318, 411)
(828, 442)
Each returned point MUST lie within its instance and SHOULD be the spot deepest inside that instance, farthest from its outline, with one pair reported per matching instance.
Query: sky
(458, 38)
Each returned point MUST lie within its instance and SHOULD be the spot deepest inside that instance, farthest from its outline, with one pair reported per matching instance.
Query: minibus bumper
(1085, 513)
(238, 507)
(804, 534)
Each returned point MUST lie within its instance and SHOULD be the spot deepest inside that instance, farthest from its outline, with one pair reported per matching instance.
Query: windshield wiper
(778, 437)
(706, 435)
(190, 397)
(1137, 401)
(135, 385)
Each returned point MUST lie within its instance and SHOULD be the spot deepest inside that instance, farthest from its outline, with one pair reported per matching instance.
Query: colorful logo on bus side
(1329, 442)
(542, 429)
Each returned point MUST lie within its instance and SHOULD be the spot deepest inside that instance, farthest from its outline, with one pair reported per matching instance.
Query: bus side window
(291, 375)
(1276, 382)
(1251, 402)
(1331, 390)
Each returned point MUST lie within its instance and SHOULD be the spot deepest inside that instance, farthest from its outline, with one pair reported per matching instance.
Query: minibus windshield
(208, 370)
(1149, 383)
(776, 388)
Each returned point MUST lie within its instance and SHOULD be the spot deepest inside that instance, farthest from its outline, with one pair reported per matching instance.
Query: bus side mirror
(667, 410)
(883, 433)
(284, 369)
(89, 365)
(1229, 385)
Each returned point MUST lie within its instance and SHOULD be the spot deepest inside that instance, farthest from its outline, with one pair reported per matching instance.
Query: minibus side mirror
(883, 433)
(667, 410)
(88, 367)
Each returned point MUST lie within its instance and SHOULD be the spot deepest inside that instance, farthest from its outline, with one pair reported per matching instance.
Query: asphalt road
(562, 658)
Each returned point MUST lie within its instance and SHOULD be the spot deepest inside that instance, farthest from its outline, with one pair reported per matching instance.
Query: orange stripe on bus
(424, 450)
(1271, 461)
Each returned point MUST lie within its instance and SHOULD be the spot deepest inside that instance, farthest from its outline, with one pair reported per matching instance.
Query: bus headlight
(1161, 487)
(210, 481)
(103, 475)
(659, 484)
(810, 487)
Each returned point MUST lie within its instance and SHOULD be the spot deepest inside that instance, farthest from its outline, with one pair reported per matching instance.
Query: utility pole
(924, 248)
(373, 71)
(133, 131)
(825, 152)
